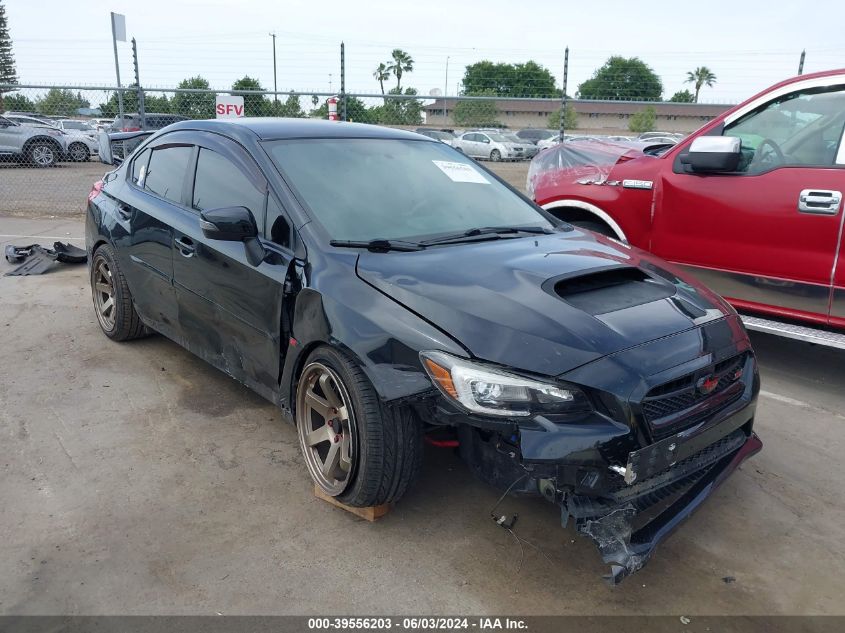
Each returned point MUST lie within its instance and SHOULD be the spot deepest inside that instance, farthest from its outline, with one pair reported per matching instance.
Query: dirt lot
(62, 191)
(137, 479)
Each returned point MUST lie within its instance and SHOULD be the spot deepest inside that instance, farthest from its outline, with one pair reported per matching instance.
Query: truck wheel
(112, 300)
(355, 449)
(495, 156)
(78, 152)
(42, 154)
(594, 226)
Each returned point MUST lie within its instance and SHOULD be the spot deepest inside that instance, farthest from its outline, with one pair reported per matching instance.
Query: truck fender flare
(590, 208)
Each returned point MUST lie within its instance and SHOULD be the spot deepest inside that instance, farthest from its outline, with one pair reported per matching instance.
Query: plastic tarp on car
(582, 161)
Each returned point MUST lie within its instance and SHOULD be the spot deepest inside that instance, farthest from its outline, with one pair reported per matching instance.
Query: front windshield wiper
(379, 245)
(487, 232)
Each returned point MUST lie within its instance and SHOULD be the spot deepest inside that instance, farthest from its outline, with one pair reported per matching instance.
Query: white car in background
(82, 139)
(488, 145)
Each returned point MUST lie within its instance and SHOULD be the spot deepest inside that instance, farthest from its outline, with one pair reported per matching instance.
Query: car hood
(543, 304)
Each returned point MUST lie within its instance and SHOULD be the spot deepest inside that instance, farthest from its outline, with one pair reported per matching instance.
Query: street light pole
(275, 85)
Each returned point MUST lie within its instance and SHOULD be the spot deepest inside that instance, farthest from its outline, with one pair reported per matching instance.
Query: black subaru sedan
(383, 289)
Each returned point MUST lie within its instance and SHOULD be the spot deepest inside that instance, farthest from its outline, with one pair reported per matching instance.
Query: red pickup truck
(751, 203)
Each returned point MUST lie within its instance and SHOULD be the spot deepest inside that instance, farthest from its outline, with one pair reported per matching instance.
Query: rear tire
(355, 449)
(112, 300)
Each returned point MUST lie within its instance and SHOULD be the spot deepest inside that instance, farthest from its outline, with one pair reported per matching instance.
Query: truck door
(766, 235)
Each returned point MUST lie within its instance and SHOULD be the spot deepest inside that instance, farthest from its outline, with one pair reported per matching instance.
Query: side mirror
(230, 224)
(708, 154)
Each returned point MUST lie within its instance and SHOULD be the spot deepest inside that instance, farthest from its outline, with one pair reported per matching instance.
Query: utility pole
(342, 82)
(275, 85)
(446, 83)
(801, 62)
(118, 32)
(563, 95)
(141, 110)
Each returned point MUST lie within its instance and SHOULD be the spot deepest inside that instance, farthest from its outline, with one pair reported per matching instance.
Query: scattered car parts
(36, 260)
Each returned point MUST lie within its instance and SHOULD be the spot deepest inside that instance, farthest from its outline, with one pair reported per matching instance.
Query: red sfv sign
(229, 107)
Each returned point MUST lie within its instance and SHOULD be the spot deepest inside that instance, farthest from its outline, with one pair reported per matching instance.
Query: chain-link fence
(49, 134)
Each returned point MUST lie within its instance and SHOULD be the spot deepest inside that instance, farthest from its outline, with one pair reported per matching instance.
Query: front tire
(595, 226)
(495, 156)
(355, 449)
(112, 300)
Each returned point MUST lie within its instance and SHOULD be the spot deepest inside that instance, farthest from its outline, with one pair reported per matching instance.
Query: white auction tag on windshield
(461, 172)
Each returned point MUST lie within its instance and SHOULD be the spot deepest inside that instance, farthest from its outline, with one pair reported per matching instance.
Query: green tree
(156, 104)
(356, 110)
(402, 63)
(683, 96)
(60, 102)
(700, 77)
(254, 105)
(623, 78)
(130, 103)
(382, 74)
(8, 74)
(17, 102)
(643, 121)
(570, 120)
(400, 111)
(510, 80)
(289, 108)
(476, 113)
(194, 105)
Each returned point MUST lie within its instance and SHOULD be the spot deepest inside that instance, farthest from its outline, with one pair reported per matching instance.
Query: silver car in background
(489, 145)
(81, 138)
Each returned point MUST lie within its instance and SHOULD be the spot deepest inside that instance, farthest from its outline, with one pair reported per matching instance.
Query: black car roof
(268, 128)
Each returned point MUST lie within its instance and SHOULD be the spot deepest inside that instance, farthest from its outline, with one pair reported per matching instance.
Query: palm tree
(701, 76)
(382, 74)
(402, 63)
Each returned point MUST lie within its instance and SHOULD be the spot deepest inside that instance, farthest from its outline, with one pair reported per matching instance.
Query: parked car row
(43, 141)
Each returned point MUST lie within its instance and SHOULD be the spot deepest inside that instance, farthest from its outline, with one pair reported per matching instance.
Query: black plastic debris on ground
(36, 260)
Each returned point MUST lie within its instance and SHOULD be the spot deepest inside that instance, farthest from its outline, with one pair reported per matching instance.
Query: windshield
(497, 137)
(364, 189)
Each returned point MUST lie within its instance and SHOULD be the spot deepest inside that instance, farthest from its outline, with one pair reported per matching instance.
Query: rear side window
(139, 167)
(221, 183)
(166, 172)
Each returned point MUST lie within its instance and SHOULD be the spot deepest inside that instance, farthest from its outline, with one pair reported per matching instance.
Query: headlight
(490, 391)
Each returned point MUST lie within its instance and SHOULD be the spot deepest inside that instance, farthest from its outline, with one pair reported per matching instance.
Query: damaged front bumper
(628, 524)
(626, 485)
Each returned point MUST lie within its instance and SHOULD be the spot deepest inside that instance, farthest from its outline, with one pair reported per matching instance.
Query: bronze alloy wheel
(326, 425)
(102, 285)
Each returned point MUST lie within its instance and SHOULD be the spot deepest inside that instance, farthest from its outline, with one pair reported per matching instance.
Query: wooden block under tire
(371, 513)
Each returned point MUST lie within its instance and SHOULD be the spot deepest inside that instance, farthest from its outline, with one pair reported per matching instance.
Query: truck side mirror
(712, 154)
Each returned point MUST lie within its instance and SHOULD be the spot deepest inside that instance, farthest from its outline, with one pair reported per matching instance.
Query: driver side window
(798, 129)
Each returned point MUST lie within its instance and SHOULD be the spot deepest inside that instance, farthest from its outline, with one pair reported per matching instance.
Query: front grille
(664, 406)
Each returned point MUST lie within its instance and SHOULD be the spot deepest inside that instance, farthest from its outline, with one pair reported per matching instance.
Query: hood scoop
(609, 289)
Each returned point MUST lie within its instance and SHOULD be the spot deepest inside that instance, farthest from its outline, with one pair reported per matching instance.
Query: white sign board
(118, 27)
(229, 107)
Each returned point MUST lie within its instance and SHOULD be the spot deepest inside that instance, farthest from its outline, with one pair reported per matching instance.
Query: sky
(748, 45)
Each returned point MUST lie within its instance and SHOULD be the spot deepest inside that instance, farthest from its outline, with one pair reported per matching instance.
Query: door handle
(819, 201)
(185, 246)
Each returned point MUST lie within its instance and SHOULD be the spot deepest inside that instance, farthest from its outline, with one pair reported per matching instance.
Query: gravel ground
(138, 479)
